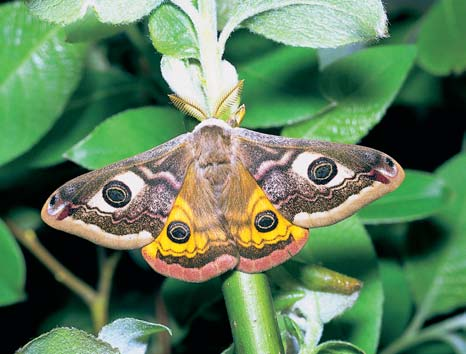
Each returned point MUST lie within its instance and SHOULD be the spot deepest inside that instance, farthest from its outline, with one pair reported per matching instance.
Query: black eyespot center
(178, 232)
(53, 200)
(266, 221)
(389, 162)
(116, 193)
(322, 170)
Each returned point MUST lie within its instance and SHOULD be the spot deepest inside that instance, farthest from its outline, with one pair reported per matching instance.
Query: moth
(221, 197)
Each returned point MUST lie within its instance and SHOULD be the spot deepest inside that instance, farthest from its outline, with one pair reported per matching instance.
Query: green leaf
(398, 303)
(361, 87)
(346, 247)
(419, 196)
(111, 11)
(421, 90)
(275, 92)
(285, 300)
(126, 134)
(244, 46)
(276, 111)
(100, 94)
(307, 23)
(337, 347)
(39, 71)
(12, 268)
(67, 341)
(290, 333)
(172, 32)
(442, 48)
(129, 335)
(436, 270)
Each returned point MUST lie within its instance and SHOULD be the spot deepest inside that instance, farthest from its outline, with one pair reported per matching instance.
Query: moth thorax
(212, 146)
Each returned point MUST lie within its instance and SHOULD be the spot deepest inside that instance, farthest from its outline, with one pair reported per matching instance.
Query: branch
(28, 239)
(96, 300)
(251, 314)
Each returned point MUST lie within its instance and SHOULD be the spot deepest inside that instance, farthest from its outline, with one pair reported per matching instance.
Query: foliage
(84, 82)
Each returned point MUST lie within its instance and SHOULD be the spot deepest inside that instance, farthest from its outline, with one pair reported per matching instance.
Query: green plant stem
(432, 333)
(251, 314)
(96, 300)
(28, 239)
(205, 24)
(99, 308)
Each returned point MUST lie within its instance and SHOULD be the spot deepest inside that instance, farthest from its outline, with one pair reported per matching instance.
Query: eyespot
(117, 194)
(178, 232)
(322, 170)
(266, 221)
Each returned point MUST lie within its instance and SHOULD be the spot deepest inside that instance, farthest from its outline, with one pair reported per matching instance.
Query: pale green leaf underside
(130, 335)
(67, 341)
(307, 23)
(315, 309)
(109, 11)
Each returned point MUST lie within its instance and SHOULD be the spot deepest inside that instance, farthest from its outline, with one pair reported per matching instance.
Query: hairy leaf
(129, 335)
(307, 23)
(111, 11)
(67, 341)
(172, 32)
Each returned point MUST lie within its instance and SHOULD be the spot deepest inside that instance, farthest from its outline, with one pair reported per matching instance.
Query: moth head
(98, 207)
